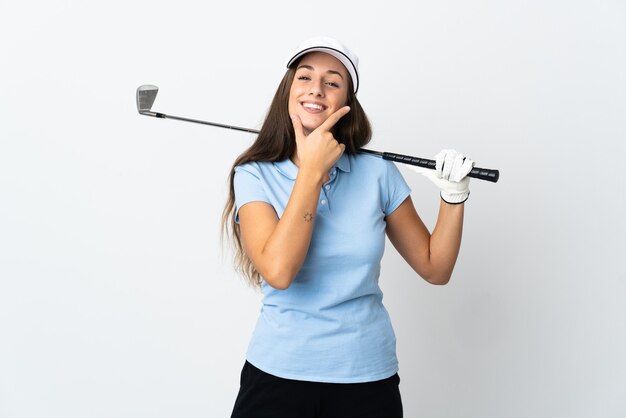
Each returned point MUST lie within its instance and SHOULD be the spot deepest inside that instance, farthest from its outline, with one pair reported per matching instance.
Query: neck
(295, 159)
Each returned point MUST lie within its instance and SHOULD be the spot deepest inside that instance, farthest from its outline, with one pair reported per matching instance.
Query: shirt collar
(288, 169)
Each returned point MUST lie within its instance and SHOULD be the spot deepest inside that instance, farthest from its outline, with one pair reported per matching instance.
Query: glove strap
(454, 199)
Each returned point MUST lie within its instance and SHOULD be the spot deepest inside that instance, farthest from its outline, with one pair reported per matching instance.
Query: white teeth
(312, 106)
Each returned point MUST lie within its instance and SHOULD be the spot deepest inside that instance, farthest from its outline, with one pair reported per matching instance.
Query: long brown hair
(276, 142)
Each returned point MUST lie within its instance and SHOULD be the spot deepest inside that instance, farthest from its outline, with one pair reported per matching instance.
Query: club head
(146, 95)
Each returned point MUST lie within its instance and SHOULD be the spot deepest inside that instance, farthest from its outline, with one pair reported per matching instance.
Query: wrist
(454, 198)
(311, 176)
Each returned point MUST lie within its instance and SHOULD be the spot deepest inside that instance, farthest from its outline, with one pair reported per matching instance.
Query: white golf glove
(450, 175)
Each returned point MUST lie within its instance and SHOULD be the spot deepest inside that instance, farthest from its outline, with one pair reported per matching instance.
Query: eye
(304, 77)
(333, 84)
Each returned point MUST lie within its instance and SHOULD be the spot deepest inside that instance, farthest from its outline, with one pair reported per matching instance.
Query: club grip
(477, 172)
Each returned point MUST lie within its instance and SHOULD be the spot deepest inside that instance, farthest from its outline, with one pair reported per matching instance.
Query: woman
(308, 215)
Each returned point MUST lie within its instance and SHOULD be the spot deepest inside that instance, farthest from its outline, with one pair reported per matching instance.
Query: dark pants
(264, 395)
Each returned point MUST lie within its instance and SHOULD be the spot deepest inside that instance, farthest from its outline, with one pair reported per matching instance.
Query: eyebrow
(308, 67)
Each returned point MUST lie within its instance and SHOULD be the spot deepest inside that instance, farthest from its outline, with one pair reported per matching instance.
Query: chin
(310, 125)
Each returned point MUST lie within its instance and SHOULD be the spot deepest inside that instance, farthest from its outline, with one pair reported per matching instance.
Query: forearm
(445, 242)
(287, 246)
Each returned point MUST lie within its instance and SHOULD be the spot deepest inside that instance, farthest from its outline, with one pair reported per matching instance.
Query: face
(319, 89)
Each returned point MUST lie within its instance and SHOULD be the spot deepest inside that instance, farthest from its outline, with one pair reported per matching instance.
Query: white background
(114, 298)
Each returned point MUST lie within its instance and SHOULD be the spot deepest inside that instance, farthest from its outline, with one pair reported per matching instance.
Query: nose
(316, 89)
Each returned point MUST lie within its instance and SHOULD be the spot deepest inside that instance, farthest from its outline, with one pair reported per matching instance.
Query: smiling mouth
(313, 107)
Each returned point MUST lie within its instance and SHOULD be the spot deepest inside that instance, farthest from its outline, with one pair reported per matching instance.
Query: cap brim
(345, 60)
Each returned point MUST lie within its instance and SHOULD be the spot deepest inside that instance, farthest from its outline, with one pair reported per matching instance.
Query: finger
(467, 166)
(448, 164)
(439, 160)
(339, 152)
(457, 174)
(334, 118)
(297, 127)
(342, 149)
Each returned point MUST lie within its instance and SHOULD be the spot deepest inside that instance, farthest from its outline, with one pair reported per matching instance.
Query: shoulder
(250, 167)
(369, 161)
(255, 168)
(373, 164)
(250, 183)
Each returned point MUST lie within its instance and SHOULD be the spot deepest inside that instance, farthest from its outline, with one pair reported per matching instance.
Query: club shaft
(219, 125)
(477, 172)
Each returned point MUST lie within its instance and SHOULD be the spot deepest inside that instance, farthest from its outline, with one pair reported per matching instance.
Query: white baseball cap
(333, 47)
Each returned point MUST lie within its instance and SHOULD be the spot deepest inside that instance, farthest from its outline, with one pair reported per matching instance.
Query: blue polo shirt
(330, 325)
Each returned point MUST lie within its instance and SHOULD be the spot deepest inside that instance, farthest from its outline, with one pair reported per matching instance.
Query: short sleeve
(396, 188)
(248, 187)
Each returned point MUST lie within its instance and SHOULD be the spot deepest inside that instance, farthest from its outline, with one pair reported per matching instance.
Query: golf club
(146, 95)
